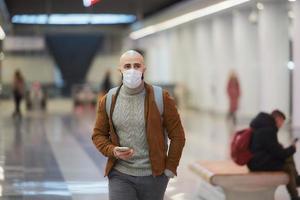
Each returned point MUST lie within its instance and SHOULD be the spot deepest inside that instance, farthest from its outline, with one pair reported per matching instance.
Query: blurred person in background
(36, 98)
(131, 134)
(233, 92)
(18, 91)
(268, 153)
(106, 84)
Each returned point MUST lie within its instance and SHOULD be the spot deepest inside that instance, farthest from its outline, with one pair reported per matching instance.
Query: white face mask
(132, 78)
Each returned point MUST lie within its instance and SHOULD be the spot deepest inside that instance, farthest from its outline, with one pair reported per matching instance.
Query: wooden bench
(237, 182)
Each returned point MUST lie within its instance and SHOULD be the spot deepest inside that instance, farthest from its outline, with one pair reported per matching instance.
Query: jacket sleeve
(101, 136)
(172, 123)
(276, 149)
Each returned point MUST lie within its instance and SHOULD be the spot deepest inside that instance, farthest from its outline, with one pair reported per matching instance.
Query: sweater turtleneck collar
(134, 91)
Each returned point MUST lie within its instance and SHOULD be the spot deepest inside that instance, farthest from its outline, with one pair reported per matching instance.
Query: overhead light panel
(116, 19)
(2, 33)
(68, 19)
(74, 19)
(182, 19)
(30, 19)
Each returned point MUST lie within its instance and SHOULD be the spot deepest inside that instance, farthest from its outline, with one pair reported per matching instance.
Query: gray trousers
(125, 187)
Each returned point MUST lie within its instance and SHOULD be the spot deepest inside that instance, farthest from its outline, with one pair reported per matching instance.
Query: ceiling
(141, 8)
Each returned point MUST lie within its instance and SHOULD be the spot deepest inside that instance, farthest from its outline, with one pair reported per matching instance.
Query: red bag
(240, 147)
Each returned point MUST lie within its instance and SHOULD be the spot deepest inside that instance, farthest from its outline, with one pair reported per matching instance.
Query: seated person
(268, 153)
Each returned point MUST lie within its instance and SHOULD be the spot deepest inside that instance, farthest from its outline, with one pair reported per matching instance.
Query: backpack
(240, 146)
(158, 95)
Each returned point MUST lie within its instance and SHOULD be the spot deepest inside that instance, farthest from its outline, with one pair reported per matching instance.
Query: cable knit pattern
(129, 122)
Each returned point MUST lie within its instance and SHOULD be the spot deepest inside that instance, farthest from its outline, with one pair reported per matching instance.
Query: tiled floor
(50, 155)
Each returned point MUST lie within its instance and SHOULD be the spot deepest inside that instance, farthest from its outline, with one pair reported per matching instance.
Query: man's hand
(295, 142)
(169, 173)
(124, 155)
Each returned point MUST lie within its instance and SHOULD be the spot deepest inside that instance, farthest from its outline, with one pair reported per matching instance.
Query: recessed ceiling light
(291, 65)
(260, 6)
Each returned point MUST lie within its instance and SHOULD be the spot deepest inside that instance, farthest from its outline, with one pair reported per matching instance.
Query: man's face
(279, 122)
(132, 62)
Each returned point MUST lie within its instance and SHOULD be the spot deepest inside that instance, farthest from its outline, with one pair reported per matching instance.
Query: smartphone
(122, 149)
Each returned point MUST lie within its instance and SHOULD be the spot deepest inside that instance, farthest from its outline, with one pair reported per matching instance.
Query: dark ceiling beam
(117, 30)
(147, 7)
(67, 6)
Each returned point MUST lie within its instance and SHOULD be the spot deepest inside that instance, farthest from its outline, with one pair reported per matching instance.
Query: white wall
(246, 60)
(34, 68)
(100, 65)
(200, 55)
(274, 55)
(205, 64)
(188, 65)
(161, 64)
(296, 42)
(223, 58)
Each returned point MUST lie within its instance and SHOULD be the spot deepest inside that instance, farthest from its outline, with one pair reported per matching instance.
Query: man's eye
(137, 66)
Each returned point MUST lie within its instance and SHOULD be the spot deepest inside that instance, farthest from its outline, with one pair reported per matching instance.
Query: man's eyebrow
(133, 63)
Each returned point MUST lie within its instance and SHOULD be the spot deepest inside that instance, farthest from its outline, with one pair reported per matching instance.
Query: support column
(274, 56)
(296, 78)
(224, 59)
(246, 61)
(204, 61)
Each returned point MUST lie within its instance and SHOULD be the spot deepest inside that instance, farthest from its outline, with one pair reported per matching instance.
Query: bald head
(132, 59)
(131, 53)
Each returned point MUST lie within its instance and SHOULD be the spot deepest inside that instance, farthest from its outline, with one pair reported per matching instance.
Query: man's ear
(119, 69)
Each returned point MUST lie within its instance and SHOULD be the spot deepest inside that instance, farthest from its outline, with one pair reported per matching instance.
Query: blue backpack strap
(158, 95)
(109, 95)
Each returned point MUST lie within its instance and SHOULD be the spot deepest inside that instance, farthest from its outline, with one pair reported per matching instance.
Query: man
(269, 154)
(142, 171)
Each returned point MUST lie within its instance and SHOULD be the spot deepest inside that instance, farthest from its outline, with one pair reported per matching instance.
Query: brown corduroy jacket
(105, 137)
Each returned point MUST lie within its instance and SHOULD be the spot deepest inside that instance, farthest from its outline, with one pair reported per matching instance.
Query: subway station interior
(67, 54)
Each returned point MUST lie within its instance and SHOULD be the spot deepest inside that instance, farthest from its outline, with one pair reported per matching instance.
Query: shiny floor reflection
(57, 188)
